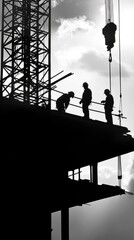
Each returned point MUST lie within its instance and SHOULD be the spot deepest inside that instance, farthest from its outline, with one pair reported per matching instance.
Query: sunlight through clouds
(73, 25)
(69, 56)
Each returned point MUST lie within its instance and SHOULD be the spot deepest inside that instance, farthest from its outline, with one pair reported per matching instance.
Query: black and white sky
(78, 46)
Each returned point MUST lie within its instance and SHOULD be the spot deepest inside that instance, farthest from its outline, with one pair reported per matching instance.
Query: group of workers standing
(63, 102)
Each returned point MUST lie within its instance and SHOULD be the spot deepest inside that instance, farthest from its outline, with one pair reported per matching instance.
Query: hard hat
(106, 91)
(85, 84)
(71, 94)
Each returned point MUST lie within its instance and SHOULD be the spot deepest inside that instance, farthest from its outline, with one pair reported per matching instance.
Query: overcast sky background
(78, 46)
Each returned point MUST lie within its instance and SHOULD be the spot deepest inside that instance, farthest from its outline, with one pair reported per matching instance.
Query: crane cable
(120, 101)
(110, 75)
(120, 112)
(120, 74)
(109, 8)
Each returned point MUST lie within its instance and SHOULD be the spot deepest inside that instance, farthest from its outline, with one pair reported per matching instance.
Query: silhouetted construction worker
(108, 106)
(63, 101)
(86, 99)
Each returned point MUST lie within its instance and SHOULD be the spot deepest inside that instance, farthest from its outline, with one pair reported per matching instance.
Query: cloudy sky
(78, 46)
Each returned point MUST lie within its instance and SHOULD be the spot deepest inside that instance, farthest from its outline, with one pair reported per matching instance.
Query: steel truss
(25, 56)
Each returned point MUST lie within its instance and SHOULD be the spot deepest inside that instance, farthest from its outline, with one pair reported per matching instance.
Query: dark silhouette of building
(35, 180)
(86, 99)
(63, 101)
(108, 106)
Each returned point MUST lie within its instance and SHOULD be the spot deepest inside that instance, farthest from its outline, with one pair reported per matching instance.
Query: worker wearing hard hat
(108, 106)
(63, 101)
(86, 99)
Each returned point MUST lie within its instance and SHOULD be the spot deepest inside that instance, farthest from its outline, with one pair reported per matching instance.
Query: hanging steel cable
(110, 72)
(109, 34)
(120, 101)
(120, 73)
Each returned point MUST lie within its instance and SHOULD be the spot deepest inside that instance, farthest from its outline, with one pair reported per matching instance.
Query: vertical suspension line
(110, 73)
(109, 19)
(120, 75)
(109, 11)
(108, 32)
(120, 103)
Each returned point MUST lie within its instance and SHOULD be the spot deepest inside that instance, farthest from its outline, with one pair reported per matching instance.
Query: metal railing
(119, 115)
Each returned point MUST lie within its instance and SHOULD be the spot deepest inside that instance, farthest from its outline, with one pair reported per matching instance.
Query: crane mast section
(25, 39)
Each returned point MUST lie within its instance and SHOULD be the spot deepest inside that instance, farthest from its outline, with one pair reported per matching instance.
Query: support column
(65, 224)
(94, 173)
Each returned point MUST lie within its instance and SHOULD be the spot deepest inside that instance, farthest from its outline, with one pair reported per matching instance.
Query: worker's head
(71, 94)
(106, 91)
(85, 85)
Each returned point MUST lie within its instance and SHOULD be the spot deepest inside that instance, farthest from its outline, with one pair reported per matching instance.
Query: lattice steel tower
(25, 50)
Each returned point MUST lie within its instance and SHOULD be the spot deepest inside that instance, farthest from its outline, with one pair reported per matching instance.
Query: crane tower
(25, 55)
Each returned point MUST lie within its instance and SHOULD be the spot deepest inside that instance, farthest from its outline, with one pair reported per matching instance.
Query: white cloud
(74, 25)
(89, 59)
(56, 3)
(81, 43)
(107, 175)
(69, 56)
